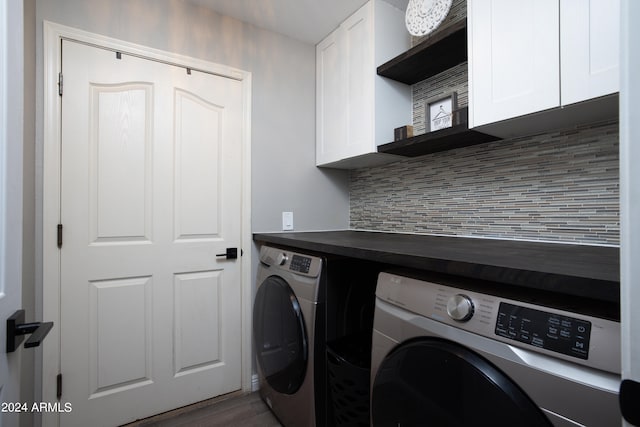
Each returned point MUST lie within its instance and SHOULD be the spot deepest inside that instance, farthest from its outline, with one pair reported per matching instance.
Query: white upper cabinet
(532, 56)
(356, 110)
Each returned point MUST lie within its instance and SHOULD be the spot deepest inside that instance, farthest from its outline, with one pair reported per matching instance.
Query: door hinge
(59, 386)
(59, 235)
(60, 83)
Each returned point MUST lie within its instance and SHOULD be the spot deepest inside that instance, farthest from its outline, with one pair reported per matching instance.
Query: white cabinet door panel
(589, 40)
(514, 62)
(331, 120)
(358, 38)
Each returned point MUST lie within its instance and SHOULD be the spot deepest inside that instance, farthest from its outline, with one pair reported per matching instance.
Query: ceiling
(306, 20)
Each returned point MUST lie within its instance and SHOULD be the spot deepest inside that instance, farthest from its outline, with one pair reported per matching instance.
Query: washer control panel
(555, 332)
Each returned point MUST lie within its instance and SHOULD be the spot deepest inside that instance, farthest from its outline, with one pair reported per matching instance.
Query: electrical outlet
(287, 221)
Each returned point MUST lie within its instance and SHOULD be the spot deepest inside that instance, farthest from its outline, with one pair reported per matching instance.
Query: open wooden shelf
(443, 50)
(456, 136)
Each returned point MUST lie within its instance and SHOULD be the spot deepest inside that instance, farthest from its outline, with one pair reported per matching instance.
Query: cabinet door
(345, 98)
(513, 58)
(358, 44)
(589, 48)
(330, 106)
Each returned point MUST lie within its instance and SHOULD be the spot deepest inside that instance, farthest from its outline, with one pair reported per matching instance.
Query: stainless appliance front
(288, 310)
(446, 356)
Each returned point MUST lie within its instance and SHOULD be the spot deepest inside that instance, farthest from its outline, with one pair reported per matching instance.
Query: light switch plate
(287, 221)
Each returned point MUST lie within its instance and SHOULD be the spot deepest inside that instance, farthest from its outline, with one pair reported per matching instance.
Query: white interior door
(10, 201)
(151, 193)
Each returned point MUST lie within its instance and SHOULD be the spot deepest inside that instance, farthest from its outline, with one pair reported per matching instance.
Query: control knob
(282, 258)
(460, 307)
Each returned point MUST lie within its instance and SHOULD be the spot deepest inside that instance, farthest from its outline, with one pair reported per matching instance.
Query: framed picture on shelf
(439, 112)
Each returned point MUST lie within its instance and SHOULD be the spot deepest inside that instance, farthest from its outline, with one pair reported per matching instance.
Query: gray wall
(283, 114)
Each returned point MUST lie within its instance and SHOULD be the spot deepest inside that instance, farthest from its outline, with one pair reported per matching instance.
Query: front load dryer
(444, 355)
(289, 336)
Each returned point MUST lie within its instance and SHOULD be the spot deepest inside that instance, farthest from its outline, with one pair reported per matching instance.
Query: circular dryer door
(280, 336)
(432, 382)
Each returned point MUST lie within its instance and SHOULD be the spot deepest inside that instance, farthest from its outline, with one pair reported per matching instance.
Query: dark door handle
(231, 253)
(17, 329)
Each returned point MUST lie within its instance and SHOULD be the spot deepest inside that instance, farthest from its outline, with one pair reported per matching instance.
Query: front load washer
(289, 336)
(443, 355)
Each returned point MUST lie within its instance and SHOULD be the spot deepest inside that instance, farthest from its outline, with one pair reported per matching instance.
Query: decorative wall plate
(424, 16)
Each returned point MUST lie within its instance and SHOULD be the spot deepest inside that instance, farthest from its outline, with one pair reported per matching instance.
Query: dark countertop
(580, 270)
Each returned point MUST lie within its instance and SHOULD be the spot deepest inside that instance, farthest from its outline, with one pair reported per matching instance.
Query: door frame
(12, 143)
(53, 34)
(629, 193)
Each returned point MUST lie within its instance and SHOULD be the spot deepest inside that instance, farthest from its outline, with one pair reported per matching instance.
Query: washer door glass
(432, 382)
(280, 336)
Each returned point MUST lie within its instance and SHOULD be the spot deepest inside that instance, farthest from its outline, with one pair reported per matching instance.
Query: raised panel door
(151, 190)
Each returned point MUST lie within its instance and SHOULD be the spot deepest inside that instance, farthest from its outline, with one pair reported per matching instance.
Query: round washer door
(280, 335)
(432, 382)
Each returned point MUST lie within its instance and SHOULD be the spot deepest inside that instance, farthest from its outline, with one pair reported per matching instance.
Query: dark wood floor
(239, 410)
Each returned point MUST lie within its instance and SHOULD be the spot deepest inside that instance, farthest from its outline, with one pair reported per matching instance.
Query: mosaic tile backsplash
(560, 187)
